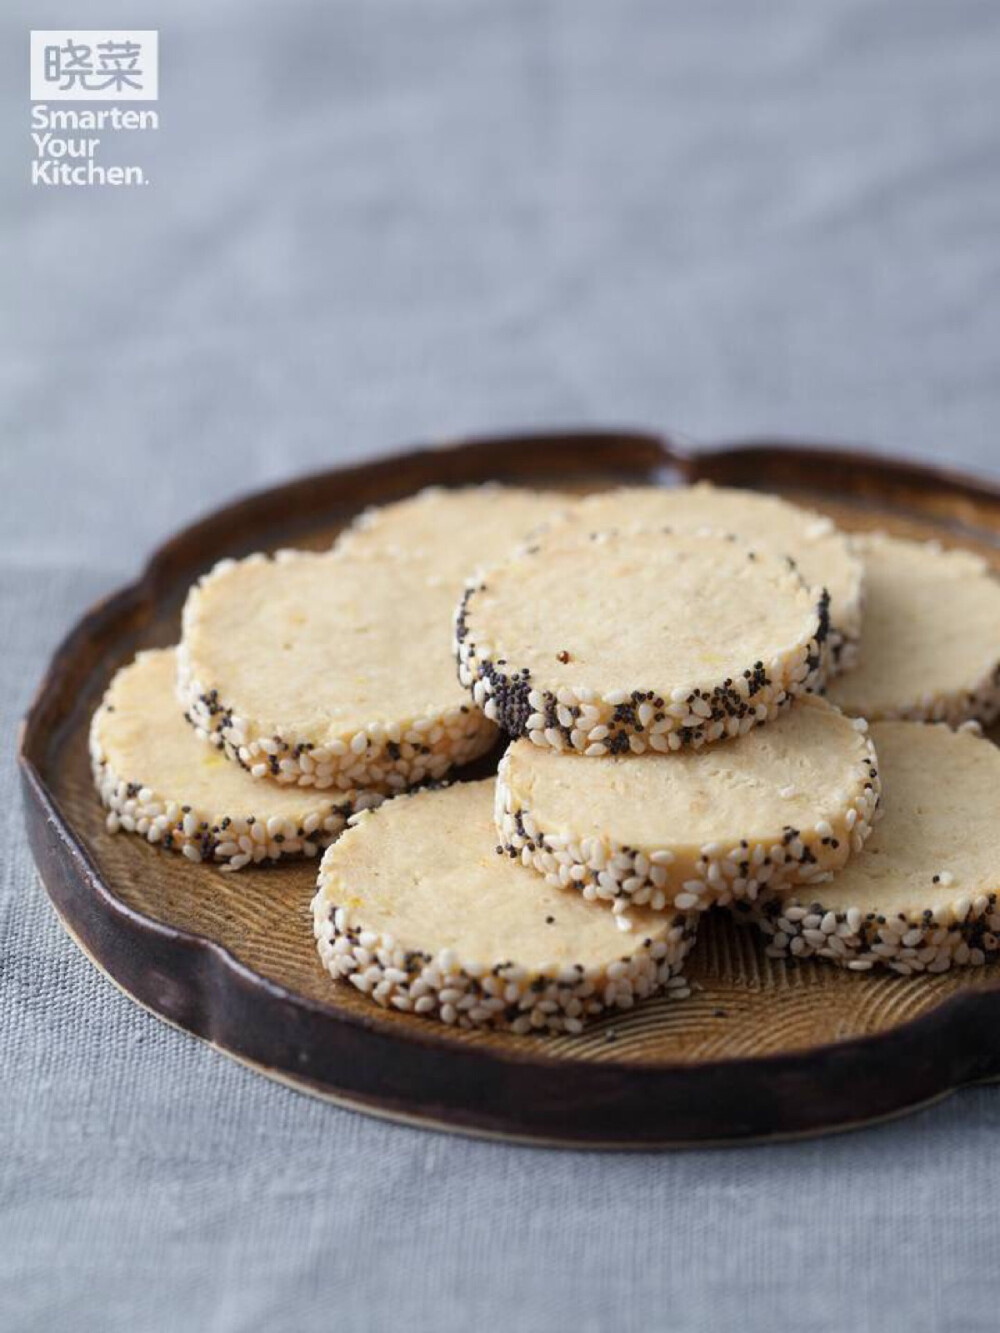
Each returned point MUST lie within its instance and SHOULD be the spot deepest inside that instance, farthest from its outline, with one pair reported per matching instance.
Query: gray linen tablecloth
(374, 223)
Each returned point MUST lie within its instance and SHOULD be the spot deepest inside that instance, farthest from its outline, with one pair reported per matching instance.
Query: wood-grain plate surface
(761, 1049)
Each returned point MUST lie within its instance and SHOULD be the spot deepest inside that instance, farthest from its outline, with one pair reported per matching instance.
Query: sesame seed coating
(558, 642)
(326, 671)
(696, 829)
(922, 894)
(158, 781)
(418, 911)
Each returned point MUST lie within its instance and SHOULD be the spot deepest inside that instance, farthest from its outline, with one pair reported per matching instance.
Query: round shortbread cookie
(822, 553)
(931, 643)
(648, 639)
(328, 671)
(419, 910)
(158, 780)
(922, 893)
(459, 531)
(784, 805)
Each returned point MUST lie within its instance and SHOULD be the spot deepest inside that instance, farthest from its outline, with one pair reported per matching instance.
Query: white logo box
(95, 65)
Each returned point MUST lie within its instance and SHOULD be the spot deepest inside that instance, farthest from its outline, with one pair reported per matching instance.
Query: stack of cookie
(653, 661)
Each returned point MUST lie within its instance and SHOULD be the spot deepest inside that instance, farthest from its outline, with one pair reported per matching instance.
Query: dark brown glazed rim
(413, 1074)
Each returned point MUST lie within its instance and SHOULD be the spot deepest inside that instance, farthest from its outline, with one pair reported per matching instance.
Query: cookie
(158, 780)
(931, 643)
(459, 530)
(329, 671)
(922, 893)
(643, 640)
(418, 908)
(785, 804)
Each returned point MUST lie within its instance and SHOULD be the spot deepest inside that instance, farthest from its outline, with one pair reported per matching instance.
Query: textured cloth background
(374, 223)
